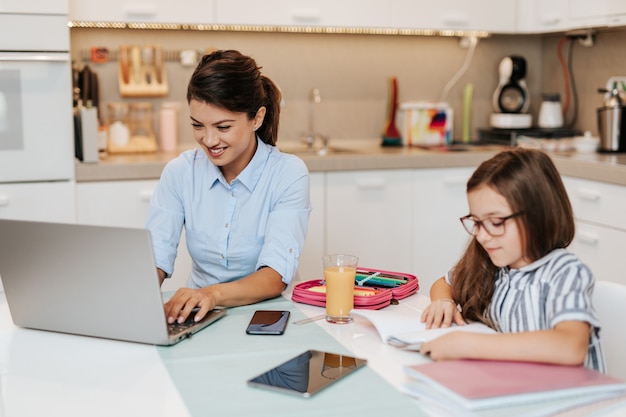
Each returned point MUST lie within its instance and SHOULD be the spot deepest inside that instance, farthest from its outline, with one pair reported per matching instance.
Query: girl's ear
(259, 117)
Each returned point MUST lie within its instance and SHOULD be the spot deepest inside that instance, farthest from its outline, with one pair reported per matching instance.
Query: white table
(51, 374)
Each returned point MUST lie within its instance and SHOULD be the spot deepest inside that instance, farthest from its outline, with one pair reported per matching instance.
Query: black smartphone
(268, 322)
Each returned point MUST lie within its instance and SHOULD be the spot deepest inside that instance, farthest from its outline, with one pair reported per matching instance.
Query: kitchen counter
(609, 168)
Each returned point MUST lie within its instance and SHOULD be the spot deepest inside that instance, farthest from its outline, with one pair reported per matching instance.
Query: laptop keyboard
(176, 328)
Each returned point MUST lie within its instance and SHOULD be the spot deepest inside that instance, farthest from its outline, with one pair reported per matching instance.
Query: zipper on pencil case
(380, 274)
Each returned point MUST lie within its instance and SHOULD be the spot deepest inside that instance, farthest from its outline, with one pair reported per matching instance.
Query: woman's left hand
(182, 303)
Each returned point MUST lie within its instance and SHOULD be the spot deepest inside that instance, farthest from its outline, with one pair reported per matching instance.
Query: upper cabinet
(597, 13)
(541, 16)
(34, 6)
(145, 11)
(331, 13)
(482, 15)
(495, 16)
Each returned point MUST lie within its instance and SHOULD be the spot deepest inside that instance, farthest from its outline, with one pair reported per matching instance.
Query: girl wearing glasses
(515, 274)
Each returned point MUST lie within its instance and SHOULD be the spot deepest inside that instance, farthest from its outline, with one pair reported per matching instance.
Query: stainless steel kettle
(612, 122)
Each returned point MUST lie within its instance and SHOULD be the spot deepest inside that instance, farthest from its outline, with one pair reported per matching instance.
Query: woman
(243, 203)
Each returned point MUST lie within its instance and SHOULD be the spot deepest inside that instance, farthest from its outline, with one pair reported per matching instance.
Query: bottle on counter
(168, 126)
(141, 127)
(117, 126)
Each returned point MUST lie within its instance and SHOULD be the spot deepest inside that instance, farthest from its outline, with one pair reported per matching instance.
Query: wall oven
(36, 125)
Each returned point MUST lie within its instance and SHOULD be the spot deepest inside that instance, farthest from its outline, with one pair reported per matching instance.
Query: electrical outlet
(585, 37)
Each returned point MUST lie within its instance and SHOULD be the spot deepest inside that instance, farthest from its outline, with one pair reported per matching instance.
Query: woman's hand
(442, 313)
(178, 308)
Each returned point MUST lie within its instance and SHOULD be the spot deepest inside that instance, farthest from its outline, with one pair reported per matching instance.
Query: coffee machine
(511, 99)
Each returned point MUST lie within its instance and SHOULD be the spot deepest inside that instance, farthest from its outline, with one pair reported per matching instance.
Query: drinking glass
(339, 275)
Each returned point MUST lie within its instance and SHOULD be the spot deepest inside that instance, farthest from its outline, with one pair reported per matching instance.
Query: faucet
(311, 135)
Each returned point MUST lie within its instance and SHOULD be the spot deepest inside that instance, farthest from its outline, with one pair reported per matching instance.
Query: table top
(52, 374)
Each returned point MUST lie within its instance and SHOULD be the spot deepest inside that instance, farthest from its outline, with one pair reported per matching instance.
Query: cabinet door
(349, 13)
(34, 6)
(540, 16)
(602, 250)
(455, 15)
(39, 201)
(368, 214)
(438, 236)
(597, 202)
(114, 203)
(310, 264)
(157, 11)
(127, 204)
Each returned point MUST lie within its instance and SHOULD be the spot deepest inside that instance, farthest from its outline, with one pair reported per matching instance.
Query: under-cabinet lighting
(278, 29)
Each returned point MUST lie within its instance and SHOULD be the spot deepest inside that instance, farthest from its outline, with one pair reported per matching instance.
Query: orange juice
(339, 293)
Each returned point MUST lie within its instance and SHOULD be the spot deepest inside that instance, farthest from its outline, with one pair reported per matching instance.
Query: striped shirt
(538, 296)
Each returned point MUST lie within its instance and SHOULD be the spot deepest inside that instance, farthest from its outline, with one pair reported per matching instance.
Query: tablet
(308, 373)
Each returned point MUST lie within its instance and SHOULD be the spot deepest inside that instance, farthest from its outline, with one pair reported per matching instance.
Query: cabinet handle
(140, 9)
(306, 15)
(587, 238)
(372, 183)
(455, 21)
(145, 195)
(4, 200)
(550, 20)
(589, 195)
(455, 180)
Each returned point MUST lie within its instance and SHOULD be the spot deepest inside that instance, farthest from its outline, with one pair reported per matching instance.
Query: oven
(36, 122)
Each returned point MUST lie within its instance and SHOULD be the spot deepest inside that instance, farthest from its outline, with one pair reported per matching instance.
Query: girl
(515, 274)
(244, 205)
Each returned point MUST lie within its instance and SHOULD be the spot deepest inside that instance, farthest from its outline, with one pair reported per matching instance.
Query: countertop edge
(598, 167)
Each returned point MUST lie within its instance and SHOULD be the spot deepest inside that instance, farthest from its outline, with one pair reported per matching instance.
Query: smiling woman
(243, 203)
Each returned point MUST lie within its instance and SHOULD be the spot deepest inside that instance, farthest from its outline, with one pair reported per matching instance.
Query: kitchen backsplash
(352, 72)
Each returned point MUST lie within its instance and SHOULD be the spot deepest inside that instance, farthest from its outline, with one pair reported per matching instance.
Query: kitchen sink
(304, 150)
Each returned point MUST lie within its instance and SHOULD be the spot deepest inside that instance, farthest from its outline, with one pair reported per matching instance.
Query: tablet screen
(308, 372)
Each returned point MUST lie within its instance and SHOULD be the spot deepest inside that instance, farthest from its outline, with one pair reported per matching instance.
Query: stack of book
(506, 388)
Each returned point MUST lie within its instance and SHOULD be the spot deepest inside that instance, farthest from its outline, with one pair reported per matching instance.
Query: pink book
(480, 384)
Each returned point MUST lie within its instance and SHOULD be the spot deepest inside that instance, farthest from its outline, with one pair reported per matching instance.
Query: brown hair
(234, 82)
(529, 181)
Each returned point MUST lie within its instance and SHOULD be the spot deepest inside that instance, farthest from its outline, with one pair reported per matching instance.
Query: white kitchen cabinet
(600, 227)
(52, 201)
(540, 16)
(583, 13)
(34, 6)
(145, 11)
(490, 15)
(438, 237)
(344, 13)
(114, 203)
(126, 204)
(310, 263)
(369, 214)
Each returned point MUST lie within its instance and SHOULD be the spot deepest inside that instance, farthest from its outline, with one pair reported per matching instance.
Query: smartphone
(268, 322)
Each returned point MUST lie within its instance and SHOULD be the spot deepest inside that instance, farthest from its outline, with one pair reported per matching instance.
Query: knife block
(139, 77)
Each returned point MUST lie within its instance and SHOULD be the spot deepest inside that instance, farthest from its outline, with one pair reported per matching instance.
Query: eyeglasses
(493, 225)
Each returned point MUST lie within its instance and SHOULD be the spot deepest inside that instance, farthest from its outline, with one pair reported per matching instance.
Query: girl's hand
(442, 313)
(454, 345)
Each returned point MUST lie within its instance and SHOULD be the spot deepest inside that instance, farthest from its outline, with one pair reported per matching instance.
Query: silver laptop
(87, 280)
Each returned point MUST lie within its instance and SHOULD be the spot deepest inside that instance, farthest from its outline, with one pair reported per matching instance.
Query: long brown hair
(529, 181)
(233, 81)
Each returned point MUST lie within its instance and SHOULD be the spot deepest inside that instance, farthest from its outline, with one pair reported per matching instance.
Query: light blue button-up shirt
(259, 219)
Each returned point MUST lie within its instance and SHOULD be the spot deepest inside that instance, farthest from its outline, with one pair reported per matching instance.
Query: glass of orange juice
(339, 275)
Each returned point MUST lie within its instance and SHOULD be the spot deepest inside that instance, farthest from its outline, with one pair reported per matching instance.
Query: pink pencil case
(366, 296)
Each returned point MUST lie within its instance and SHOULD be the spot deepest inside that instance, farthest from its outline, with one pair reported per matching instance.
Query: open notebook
(87, 280)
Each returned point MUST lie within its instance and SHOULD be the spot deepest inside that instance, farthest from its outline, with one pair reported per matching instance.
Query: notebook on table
(87, 280)
(490, 384)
